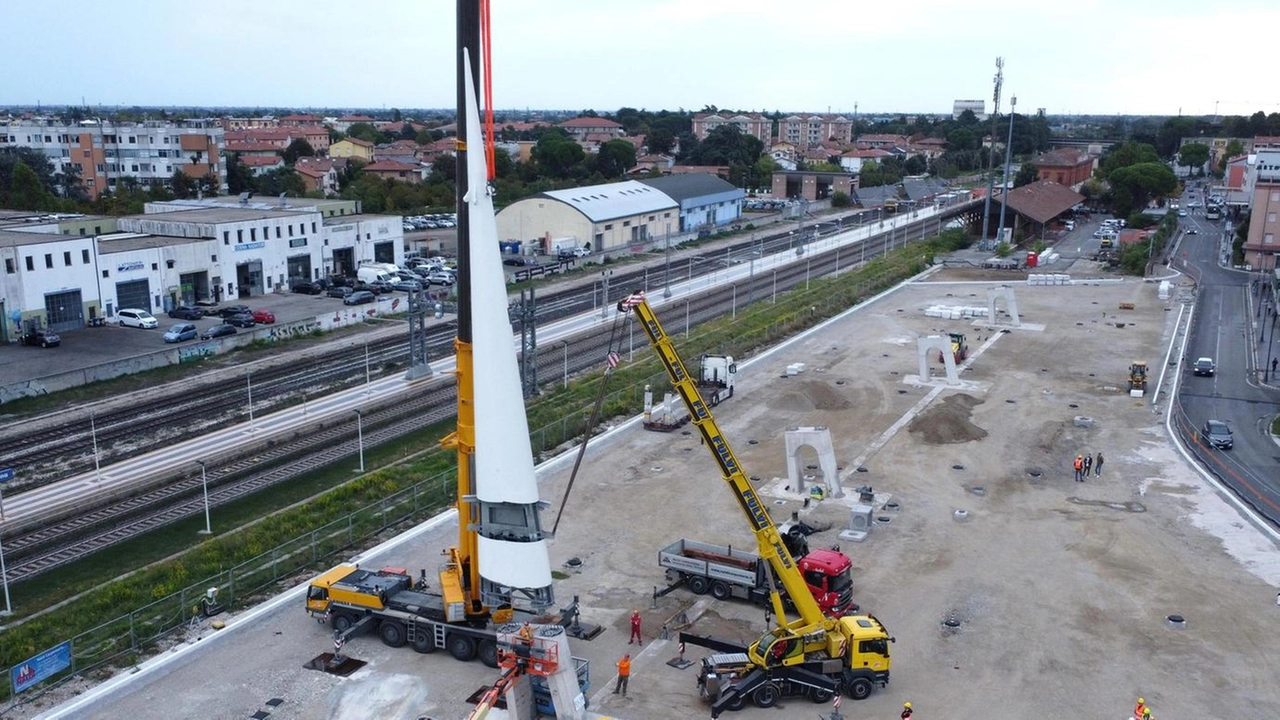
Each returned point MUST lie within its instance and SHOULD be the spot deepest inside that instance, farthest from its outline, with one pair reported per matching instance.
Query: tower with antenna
(991, 178)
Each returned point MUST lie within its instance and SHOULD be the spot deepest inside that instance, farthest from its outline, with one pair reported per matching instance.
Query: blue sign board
(6, 474)
(41, 667)
(250, 246)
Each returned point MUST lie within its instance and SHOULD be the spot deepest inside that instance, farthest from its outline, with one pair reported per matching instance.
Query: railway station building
(601, 217)
(67, 271)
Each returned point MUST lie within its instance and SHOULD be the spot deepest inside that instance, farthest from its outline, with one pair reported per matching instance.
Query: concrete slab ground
(1061, 588)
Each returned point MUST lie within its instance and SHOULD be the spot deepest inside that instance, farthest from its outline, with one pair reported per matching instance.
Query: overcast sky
(1084, 56)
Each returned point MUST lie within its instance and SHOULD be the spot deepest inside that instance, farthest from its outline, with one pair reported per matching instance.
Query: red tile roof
(243, 146)
(261, 160)
(1042, 201)
(589, 122)
(390, 166)
(1063, 157)
(358, 141)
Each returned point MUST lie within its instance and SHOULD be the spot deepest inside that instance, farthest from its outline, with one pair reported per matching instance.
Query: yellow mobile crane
(815, 655)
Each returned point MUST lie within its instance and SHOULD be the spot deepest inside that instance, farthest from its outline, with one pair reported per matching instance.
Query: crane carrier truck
(813, 656)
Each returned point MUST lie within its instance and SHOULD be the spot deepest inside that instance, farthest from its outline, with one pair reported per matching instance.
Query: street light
(360, 436)
(4, 579)
(204, 483)
(93, 433)
(666, 277)
(566, 362)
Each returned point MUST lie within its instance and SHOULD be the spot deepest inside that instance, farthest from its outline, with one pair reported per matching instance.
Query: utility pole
(525, 313)
(417, 316)
(1008, 157)
(991, 178)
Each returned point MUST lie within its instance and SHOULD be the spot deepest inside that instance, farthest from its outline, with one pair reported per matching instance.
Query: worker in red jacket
(635, 628)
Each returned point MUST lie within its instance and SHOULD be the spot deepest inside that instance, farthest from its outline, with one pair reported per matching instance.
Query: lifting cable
(486, 51)
(611, 360)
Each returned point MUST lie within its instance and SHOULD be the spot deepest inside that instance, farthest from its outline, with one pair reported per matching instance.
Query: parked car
(339, 291)
(266, 317)
(440, 278)
(407, 285)
(217, 331)
(306, 287)
(180, 332)
(1205, 366)
(186, 312)
(359, 297)
(230, 310)
(43, 337)
(244, 320)
(133, 317)
(377, 287)
(1218, 434)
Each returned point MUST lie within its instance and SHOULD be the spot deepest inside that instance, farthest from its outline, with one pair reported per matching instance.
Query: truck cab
(829, 575)
(716, 374)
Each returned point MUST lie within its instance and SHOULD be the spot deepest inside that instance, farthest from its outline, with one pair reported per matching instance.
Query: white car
(133, 317)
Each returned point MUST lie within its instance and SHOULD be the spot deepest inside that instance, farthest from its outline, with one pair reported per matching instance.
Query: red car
(266, 317)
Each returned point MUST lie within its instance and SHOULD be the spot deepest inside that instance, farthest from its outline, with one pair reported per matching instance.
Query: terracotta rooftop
(589, 122)
(1042, 201)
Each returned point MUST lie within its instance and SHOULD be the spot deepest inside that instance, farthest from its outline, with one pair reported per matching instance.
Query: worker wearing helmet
(1140, 709)
(906, 711)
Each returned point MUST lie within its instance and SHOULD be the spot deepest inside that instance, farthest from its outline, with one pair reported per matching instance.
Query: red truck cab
(829, 575)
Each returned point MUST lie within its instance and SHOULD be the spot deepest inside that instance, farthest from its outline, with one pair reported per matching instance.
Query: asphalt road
(1226, 328)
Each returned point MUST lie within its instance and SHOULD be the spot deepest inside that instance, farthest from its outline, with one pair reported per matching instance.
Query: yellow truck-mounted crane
(814, 655)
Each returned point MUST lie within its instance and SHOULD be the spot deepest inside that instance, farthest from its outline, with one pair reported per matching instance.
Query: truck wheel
(488, 652)
(720, 591)
(392, 633)
(736, 703)
(699, 585)
(859, 688)
(424, 640)
(462, 647)
(342, 622)
(820, 695)
(766, 696)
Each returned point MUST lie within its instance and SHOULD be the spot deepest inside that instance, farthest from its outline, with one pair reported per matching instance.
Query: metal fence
(121, 641)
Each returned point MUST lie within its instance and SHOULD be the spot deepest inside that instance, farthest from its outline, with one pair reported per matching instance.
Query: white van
(370, 274)
(133, 317)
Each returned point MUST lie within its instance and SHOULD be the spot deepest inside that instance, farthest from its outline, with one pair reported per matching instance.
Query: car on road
(407, 285)
(1218, 434)
(359, 297)
(1204, 366)
(266, 317)
(1182, 213)
(186, 312)
(217, 331)
(43, 337)
(306, 287)
(244, 320)
(180, 332)
(230, 310)
(339, 291)
(440, 278)
(1193, 231)
(133, 317)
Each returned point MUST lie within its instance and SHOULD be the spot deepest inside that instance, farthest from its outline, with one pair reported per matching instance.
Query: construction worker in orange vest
(624, 674)
(1139, 709)
(906, 711)
(1079, 466)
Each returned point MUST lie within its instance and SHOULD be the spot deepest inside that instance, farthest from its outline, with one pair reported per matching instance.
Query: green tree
(1193, 156)
(365, 132)
(298, 148)
(395, 115)
(840, 199)
(615, 157)
(280, 180)
(962, 139)
(1234, 149)
(1134, 186)
(660, 141)
(183, 187)
(239, 176)
(444, 169)
(407, 132)
(1124, 155)
(26, 192)
(916, 165)
(1026, 175)
(967, 118)
(423, 137)
(1170, 135)
(557, 156)
(727, 145)
(69, 185)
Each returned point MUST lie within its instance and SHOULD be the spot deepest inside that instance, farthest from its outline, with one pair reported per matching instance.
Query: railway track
(59, 544)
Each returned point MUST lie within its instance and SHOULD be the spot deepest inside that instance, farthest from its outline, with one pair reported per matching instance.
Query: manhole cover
(901, 392)
(755, 478)
(1011, 402)
(685, 432)
(951, 623)
(1035, 472)
(957, 467)
(839, 382)
(1176, 621)
(1072, 406)
(753, 442)
(656, 468)
(1044, 369)
(573, 562)
(978, 490)
(861, 468)
(810, 467)
(891, 506)
(885, 519)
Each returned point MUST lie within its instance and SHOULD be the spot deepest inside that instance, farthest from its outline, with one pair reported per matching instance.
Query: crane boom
(771, 546)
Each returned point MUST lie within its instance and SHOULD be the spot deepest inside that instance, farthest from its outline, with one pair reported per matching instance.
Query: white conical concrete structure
(512, 550)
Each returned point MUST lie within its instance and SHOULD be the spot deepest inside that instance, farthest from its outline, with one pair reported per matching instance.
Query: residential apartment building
(352, 148)
(977, 107)
(753, 124)
(102, 152)
(245, 123)
(317, 136)
(808, 130)
(1262, 247)
(580, 128)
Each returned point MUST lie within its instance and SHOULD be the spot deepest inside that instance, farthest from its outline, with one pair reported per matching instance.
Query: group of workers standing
(1084, 464)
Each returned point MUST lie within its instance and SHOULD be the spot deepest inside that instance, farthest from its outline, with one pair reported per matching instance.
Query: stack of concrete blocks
(1048, 279)
(795, 369)
(1048, 257)
(955, 312)
(860, 520)
(1165, 289)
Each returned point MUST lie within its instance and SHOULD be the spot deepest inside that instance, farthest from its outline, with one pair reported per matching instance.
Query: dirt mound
(948, 422)
(825, 397)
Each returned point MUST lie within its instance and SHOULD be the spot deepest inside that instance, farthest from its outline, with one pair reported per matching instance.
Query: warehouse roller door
(134, 294)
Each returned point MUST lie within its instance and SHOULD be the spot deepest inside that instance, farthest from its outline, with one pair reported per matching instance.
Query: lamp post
(93, 434)
(248, 384)
(604, 298)
(566, 362)
(204, 483)
(666, 277)
(4, 579)
(360, 436)
(1008, 158)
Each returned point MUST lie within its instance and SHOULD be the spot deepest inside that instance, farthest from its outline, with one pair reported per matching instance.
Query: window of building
(226, 237)
(84, 256)
(31, 265)
(9, 267)
(155, 266)
(213, 258)
(66, 258)
(266, 232)
(277, 231)
(97, 229)
(1271, 217)
(313, 228)
(253, 234)
(48, 260)
(609, 226)
(290, 231)
(239, 236)
(106, 273)
(1268, 239)
(626, 223)
(1275, 196)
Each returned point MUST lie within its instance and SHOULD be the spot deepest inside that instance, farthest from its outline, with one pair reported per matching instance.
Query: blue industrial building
(706, 201)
